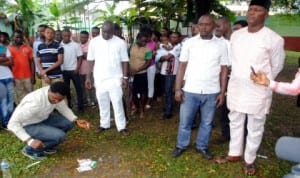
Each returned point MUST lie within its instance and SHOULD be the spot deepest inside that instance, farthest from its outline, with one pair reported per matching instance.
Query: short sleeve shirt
(138, 57)
(49, 55)
(204, 60)
(72, 51)
(4, 70)
(22, 58)
(108, 56)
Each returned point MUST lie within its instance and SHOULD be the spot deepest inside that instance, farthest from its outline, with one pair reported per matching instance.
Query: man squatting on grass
(34, 122)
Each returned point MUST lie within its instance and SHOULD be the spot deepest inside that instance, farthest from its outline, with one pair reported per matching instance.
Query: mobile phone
(252, 69)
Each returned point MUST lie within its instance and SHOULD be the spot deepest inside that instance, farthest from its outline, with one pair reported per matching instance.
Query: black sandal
(249, 169)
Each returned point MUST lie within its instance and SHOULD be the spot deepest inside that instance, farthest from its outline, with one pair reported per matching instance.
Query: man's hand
(35, 144)
(88, 84)
(260, 78)
(132, 72)
(32, 79)
(43, 72)
(179, 97)
(220, 99)
(47, 79)
(83, 124)
(124, 83)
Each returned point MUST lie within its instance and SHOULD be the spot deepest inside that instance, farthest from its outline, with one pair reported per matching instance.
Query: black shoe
(205, 153)
(100, 129)
(125, 132)
(177, 152)
(34, 156)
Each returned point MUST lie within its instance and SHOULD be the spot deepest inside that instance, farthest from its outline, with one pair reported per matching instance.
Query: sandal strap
(249, 169)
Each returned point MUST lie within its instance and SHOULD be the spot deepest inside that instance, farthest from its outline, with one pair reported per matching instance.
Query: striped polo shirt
(49, 55)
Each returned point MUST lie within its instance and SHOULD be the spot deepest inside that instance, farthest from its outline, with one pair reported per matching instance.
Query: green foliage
(54, 10)
(108, 14)
(217, 7)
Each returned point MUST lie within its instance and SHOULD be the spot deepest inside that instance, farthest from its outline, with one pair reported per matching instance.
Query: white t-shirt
(205, 58)
(36, 44)
(5, 72)
(72, 51)
(108, 56)
(227, 42)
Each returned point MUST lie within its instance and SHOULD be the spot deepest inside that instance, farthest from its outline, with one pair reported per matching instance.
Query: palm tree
(24, 15)
(108, 14)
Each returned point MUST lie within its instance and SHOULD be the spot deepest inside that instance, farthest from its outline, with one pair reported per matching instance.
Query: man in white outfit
(261, 48)
(110, 58)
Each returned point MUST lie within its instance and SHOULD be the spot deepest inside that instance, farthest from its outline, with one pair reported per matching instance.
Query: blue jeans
(169, 96)
(71, 75)
(7, 103)
(188, 109)
(51, 132)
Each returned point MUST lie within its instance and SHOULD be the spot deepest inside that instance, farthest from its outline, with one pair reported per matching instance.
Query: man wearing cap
(261, 48)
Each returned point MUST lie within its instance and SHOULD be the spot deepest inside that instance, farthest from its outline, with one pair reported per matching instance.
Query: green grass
(147, 151)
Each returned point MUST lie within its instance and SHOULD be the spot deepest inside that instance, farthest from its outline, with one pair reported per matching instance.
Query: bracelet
(125, 77)
(30, 142)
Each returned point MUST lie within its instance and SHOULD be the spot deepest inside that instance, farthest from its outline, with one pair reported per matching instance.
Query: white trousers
(150, 77)
(255, 127)
(111, 91)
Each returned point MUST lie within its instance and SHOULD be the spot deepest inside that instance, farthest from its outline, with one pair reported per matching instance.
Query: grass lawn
(147, 151)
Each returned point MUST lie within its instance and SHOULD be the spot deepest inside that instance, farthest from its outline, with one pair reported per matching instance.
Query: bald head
(206, 26)
(107, 30)
(206, 16)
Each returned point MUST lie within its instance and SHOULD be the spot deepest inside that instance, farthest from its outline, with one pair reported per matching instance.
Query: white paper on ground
(84, 168)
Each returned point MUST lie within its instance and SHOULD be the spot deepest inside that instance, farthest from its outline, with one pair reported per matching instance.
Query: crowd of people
(209, 70)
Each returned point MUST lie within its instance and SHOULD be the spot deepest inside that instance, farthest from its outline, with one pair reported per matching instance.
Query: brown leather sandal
(225, 159)
(249, 169)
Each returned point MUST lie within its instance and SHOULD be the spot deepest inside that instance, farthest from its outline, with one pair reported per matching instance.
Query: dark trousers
(224, 121)
(169, 95)
(51, 132)
(74, 76)
(158, 85)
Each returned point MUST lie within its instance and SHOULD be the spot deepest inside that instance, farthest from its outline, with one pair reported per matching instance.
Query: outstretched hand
(83, 124)
(260, 78)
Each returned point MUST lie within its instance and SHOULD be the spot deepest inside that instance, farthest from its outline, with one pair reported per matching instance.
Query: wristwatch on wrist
(30, 142)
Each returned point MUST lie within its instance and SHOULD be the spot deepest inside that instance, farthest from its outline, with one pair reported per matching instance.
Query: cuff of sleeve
(272, 84)
(25, 138)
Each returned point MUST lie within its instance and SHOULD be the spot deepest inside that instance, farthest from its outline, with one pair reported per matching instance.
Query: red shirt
(21, 57)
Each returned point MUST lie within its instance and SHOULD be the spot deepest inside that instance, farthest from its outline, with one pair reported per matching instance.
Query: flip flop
(249, 169)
